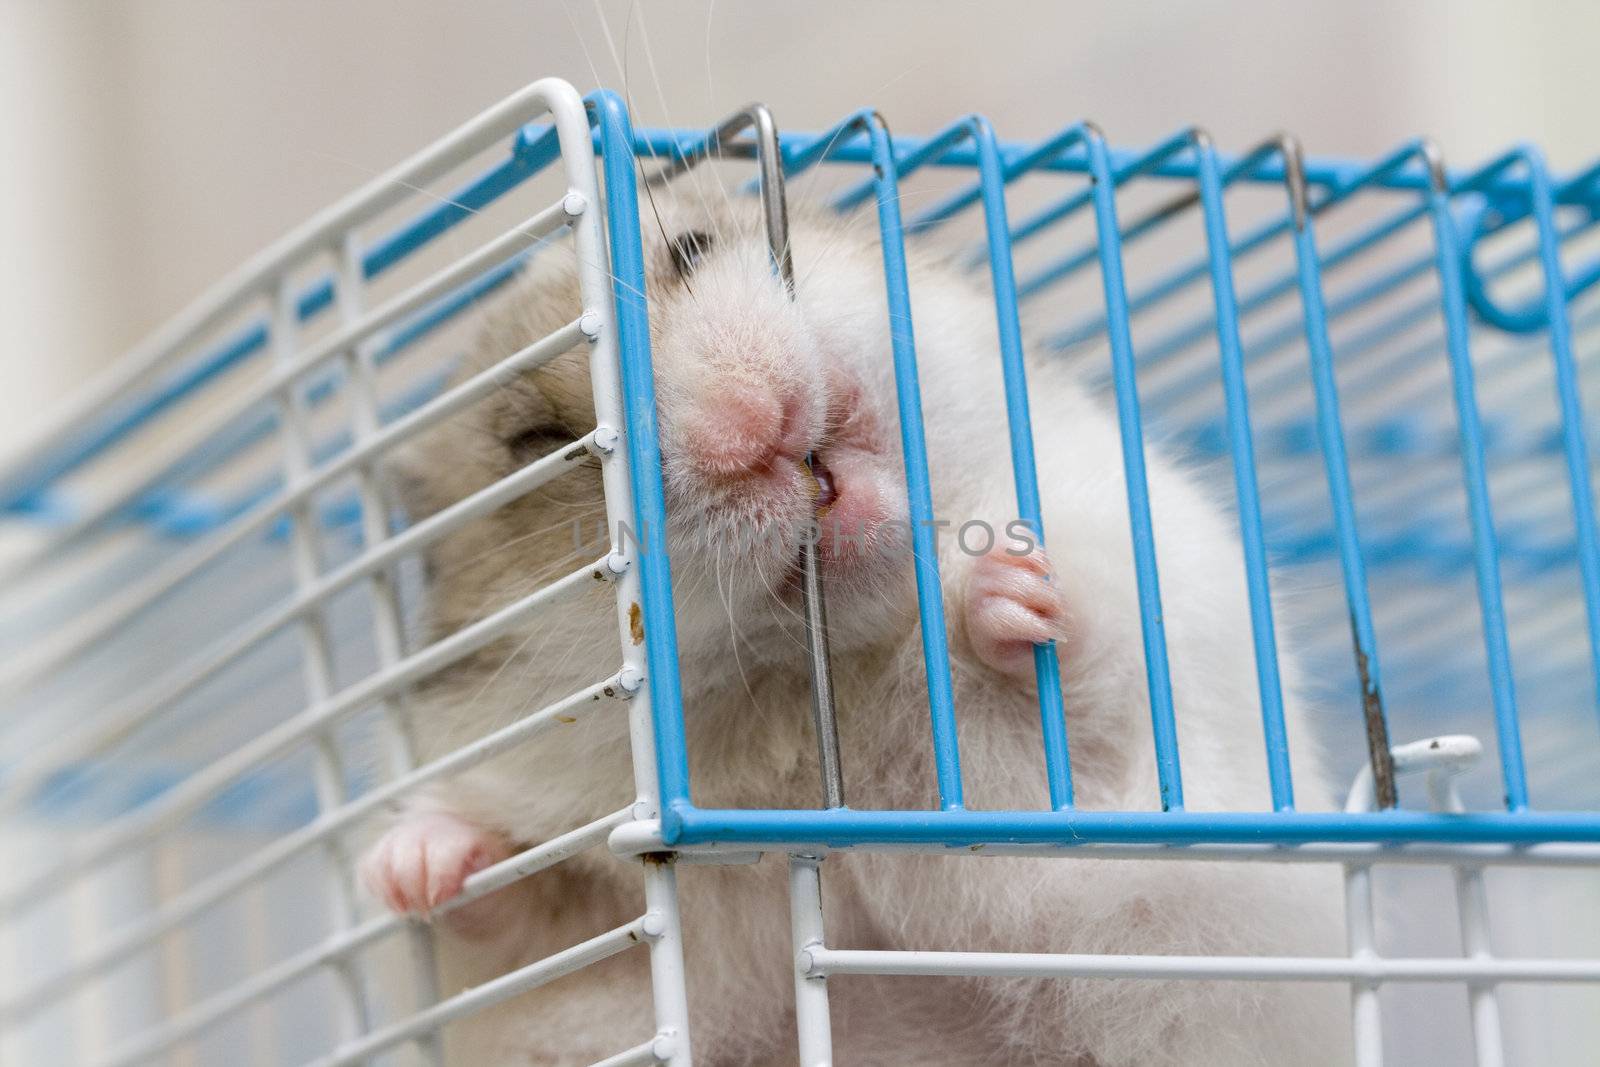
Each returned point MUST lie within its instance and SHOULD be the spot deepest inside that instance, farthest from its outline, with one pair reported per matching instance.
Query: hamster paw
(423, 860)
(1010, 606)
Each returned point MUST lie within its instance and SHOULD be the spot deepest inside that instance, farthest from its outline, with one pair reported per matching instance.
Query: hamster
(748, 382)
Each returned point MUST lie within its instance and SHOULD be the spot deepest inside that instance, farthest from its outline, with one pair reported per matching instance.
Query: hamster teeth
(819, 480)
(813, 486)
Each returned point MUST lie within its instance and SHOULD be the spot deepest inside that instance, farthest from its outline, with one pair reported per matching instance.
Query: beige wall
(146, 147)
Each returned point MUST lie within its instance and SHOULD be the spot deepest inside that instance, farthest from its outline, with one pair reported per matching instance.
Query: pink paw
(423, 860)
(1011, 605)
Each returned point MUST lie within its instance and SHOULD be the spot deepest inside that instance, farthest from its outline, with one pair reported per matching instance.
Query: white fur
(747, 704)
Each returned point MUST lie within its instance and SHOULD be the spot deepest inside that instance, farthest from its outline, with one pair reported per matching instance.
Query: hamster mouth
(823, 488)
(824, 492)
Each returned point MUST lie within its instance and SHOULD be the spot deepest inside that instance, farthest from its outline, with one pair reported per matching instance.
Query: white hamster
(748, 382)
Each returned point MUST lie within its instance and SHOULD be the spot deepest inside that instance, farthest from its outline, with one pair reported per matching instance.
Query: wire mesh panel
(218, 636)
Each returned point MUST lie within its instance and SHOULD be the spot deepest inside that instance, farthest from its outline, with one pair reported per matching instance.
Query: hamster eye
(688, 249)
(536, 442)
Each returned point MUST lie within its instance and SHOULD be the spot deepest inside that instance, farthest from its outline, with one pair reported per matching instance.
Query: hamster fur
(747, 382)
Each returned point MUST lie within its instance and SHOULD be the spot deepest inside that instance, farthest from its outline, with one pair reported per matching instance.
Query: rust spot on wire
(636, 623)
(1383, 786)
(566, 718)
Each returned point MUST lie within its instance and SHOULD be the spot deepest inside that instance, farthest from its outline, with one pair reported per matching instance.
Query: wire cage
(211, 592)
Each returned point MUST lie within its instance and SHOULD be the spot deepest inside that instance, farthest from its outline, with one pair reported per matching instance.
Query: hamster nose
(739, 429)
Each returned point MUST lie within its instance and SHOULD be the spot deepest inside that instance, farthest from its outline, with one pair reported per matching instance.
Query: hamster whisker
(715, 176)
(694, 177)
(775, 597)
(484, 688)
(460, 565)
(733, 633)
(502, 593)
(583, 45)
(711, 89)
(844, 229)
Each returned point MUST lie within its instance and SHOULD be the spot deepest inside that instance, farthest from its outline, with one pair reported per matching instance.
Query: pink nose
(739, 429)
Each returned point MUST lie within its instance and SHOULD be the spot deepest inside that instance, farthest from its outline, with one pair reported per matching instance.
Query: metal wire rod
(649, 1052)
(806, 932)
(826, 962)
(1472, 916)
(775, 211)
(388, 628)
(1426, 854)
(479, 997)
(315, 656)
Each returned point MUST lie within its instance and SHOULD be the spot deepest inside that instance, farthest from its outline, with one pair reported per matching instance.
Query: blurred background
(148, 147)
